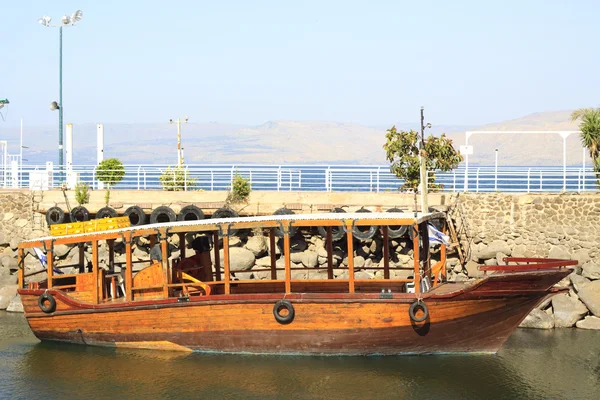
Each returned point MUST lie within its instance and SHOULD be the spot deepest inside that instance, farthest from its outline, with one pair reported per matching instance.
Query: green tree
(590, 132)
(240, 189)
(402, 151)
(110, 172)
(177, 179)
(82, 193)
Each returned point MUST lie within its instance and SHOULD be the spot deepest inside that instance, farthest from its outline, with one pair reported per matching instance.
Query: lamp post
(423, 164)
(496, 172)
(65, 21)
(179, 149)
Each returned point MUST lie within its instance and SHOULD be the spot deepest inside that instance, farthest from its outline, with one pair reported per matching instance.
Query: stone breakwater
(490, 227)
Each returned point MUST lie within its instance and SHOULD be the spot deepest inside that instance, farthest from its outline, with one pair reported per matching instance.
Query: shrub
(240, 189)
(177, 179)
(82, 194)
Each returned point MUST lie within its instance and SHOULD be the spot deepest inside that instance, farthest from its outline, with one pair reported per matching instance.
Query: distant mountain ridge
(298, 142)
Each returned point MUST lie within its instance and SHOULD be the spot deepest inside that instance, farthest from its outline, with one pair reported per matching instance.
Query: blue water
(533, 364)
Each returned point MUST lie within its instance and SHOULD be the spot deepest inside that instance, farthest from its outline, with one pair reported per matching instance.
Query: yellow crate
(96, 225)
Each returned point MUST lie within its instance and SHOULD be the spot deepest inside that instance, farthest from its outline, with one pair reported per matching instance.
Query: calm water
(562, 364)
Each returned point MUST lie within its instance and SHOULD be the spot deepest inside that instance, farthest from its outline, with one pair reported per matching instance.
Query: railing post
(528, 180)
(212, 180)
(138, 177)
(378, 171)
(279, 178)
(477, 181)
(541, 179)
(185, 174)
(299, 179)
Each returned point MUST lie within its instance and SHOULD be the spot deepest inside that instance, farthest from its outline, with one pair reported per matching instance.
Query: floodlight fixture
(54, 106)
(77, 16)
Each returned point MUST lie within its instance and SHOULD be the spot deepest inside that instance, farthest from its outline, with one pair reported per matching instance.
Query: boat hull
(324, 324)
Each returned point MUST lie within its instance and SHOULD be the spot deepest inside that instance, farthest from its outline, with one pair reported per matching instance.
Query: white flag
(436, 237)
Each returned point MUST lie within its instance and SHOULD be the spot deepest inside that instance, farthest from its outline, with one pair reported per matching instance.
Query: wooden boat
(165, 308)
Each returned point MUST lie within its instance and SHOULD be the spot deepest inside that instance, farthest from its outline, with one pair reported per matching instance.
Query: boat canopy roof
(296, 220)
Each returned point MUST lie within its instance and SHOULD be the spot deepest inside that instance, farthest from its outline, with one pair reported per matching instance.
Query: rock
(559, 252)
(460, 277)
(277, 250)
(495, 247)
(296, 257)
(60, 250)
(589, 322)
(590, 296)
(359, 262)
(257, 245)
(563, 283)
(500, 258)
(15, 305)
(240, 259)
(363, 275)
(235, 241)
(309, 259)
(6, 280)
(14, 243)
(20, 223)
(298, 244)
(590, 270)
(473, 270)
(8, 216)
(521, 250)
(368, 263)
(322, 252)
(3, 241)
(582, 256)
(404, 259)
(538, 319)
(578, 281)
(141, 252)
(263, 262)
(567, 310)
(10, 263)
(6, 295)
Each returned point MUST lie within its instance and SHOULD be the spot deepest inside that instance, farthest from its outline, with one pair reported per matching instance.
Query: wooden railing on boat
(163, 286)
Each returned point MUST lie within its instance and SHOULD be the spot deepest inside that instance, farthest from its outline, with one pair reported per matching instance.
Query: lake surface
(533, 364)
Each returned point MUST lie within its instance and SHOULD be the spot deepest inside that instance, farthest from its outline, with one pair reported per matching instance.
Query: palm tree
(590, 132)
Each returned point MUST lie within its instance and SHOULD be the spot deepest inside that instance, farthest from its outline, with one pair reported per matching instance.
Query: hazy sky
(370, 62)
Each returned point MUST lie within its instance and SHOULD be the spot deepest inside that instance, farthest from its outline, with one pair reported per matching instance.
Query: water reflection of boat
(167, 306)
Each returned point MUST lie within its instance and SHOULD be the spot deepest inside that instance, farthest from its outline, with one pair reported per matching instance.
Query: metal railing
(323, 178)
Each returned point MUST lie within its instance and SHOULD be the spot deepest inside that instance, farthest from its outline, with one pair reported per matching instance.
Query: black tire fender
(284, 211)
(364, 232)
(106, 212)
(136, 215)
(398, 231)
(414, 307)
(79, 214)
(226, 212)
(47, 303)
(55, 215)
(337, 232)
(287, 318)
(190, 213)
(162, 214)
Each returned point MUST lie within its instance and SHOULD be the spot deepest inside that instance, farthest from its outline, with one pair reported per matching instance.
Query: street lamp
(179, 148)
(65, 21)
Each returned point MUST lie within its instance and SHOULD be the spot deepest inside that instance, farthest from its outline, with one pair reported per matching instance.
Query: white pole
(496, 173)
(564, 163)
(69, 149)
(467, 162)
(21, 155)
(100, 148)
(583, 169)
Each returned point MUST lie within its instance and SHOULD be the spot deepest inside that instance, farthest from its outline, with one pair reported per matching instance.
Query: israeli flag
(436, 237)
(44, 260)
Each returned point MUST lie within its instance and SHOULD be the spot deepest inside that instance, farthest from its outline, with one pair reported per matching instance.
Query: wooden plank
(286, 258)
(95, 270)
(128, 269)
(416, 256)
(226, 263)
(21, 264)
(273, 251)
(50, 264)
(165, 263)
(350, 239)
(81, 247)
(329, 240)
(386, 253)
(217, 256)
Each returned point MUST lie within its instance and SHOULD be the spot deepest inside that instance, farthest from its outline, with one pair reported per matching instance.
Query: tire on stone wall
(337, 232)
(364, 232)
(190, 213)
(395, 232)
(79, 214)
(284, 211)
(55, 215)
(162, 214)
(226, 212)
(106, 212)
(136, 215)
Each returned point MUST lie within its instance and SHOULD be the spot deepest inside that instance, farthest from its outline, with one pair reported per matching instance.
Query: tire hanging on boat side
(395, 232)
(106, 212)
(337, 232)
(79, 214)
(414, 307)
(190, 213)
(364, 232)
(162, 214)
(284, 319)
(44, 298)
(55, 215)
(136, 215)
(284, 211)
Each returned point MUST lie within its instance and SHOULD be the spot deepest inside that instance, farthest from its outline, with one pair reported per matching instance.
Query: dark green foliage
(402, 151)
